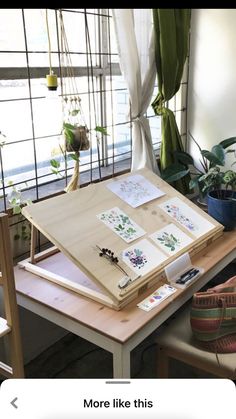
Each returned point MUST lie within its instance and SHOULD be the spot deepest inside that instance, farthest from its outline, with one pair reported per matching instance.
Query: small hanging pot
(76, 138)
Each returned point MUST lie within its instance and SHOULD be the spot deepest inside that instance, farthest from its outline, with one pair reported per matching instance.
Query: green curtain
(171, 28)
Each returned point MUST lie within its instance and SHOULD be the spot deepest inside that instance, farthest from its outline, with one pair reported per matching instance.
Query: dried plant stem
(110, 256)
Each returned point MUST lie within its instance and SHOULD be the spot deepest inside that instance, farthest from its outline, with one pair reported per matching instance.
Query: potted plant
(76, 137)
(221, 189)
(184, 164)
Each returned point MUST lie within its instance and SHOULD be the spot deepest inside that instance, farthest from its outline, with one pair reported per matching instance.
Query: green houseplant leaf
(213, 159)
(66, 125)
(54, 163)
(74, 112)
(228, 142)
(219, 151)
(69, 135)
(102, 130)
(174, 172)
(183, 157)
(194, 182)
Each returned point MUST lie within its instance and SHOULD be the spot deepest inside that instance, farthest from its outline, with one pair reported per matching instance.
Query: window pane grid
(103, 93)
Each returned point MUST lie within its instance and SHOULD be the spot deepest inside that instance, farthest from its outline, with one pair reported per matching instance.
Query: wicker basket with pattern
(213, 317)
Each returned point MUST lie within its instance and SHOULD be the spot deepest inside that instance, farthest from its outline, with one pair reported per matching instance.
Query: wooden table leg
(121, 361)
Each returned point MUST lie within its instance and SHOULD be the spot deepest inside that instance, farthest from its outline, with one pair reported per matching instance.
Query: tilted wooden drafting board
(70, 222)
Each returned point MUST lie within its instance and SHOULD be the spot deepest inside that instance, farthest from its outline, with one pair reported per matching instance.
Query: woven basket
(213, 317)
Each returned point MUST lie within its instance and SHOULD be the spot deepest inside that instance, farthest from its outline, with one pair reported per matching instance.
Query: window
(31, 116)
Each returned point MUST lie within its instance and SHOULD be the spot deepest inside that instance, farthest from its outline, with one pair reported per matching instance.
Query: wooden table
(116, 331)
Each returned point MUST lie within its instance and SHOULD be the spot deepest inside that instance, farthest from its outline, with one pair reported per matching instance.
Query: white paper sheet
(156, 298)
(143, 256)
(186, 216)
(135, 190)
(171, 239)
(121, 224)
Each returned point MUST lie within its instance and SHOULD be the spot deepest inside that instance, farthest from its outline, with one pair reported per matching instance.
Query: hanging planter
(75, 131)
(76, 137)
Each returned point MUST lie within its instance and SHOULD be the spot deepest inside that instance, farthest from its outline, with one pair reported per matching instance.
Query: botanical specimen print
(136, 257)
(186, 216)
(135, 190)
(143, 256)
(171, 239)
(121, 224)
(175, 212)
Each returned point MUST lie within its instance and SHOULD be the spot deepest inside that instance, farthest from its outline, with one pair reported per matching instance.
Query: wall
(212, 77)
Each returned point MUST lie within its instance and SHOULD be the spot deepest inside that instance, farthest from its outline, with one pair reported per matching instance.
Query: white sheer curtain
(135, 39)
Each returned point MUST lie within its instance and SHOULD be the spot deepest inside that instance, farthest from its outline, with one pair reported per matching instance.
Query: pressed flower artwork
(143, 256)
(137, 257)
(171, 239)
(135, 190)
(121, 224)
(186, 216)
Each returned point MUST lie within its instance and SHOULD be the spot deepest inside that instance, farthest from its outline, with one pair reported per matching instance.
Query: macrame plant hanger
(75, 131)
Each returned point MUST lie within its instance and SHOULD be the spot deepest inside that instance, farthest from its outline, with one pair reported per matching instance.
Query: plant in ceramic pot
(221, 191)
(185, 164)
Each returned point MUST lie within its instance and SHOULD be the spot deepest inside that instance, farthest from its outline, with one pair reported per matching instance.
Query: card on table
(157, 297)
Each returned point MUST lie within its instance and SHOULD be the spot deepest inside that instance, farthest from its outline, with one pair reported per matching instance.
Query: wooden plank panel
(67, 283)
